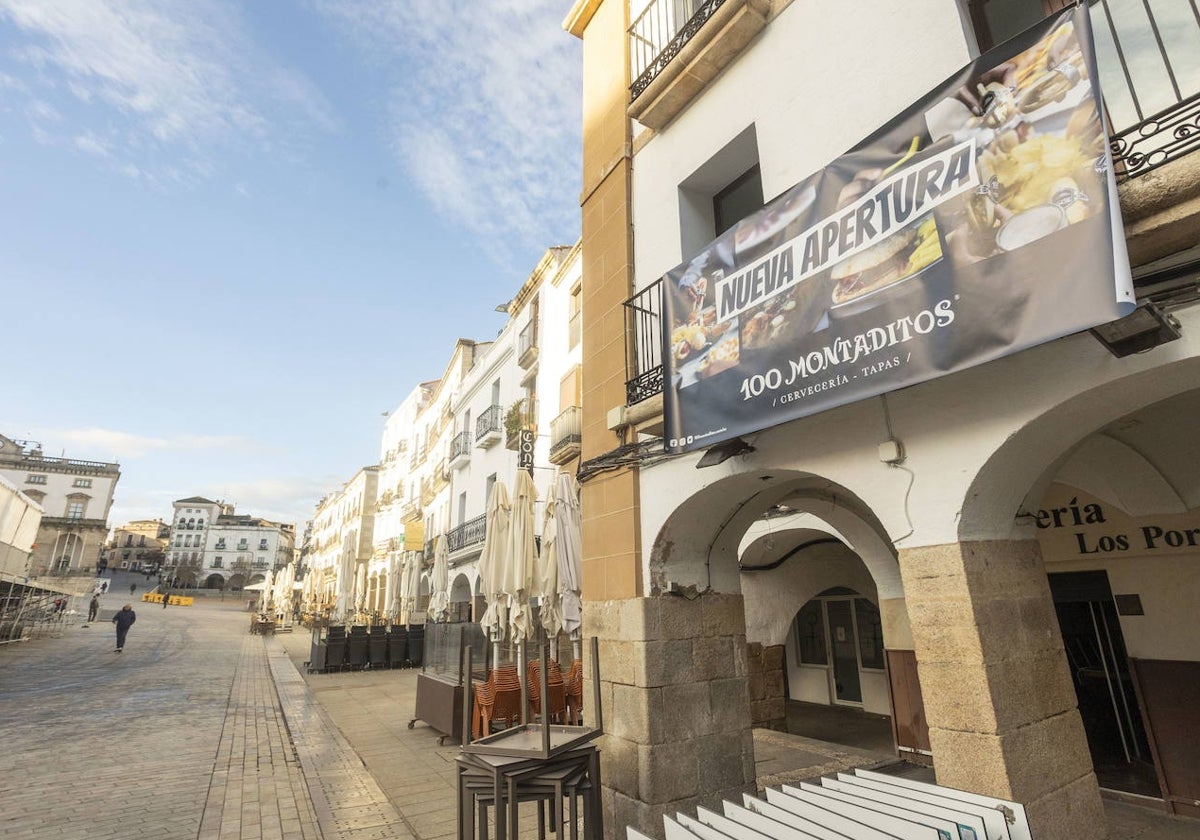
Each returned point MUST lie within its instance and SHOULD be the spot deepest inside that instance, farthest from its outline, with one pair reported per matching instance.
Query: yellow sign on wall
(414, 536)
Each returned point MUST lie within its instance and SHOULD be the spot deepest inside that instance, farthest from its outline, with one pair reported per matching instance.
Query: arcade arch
(214, 581)
(790, 542)
(1111, 505)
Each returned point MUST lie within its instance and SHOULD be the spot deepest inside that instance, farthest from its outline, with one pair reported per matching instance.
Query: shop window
(810, 635)
(870, 634)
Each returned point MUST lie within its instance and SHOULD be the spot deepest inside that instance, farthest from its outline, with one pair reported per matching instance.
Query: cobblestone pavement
(199, 731)
(182, 737)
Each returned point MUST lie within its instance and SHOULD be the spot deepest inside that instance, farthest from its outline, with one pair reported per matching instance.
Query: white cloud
(484, 109)
(182, 75)
(95, 443)
(92, 144)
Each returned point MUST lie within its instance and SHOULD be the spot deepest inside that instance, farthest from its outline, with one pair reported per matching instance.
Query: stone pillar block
(998, 695)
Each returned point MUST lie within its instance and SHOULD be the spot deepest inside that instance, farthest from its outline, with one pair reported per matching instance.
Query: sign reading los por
(948, 239)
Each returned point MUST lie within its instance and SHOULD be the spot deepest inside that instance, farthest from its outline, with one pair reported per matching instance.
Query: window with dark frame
(810, 635)
(995, 21)
(742, 197)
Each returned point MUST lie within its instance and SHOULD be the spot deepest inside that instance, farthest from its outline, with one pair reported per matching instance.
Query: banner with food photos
(981, 221)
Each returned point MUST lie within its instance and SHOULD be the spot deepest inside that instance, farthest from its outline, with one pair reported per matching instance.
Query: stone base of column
(673, 684)
(997, 693)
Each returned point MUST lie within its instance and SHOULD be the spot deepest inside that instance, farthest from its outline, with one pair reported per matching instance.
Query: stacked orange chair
(507, 687)
(574, 693)
(481, 715)
(555, 687)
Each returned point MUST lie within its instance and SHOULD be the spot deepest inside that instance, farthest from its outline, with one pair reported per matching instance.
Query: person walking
(93, 608)
(132, 588)
(166, 598)
(123, 620)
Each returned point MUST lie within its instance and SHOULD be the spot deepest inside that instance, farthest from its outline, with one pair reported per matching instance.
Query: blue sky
(233, 233)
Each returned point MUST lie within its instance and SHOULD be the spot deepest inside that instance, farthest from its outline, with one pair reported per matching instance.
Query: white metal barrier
(855, 806)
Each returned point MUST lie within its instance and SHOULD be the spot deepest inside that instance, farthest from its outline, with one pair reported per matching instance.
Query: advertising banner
(414, 536)
(981, 221)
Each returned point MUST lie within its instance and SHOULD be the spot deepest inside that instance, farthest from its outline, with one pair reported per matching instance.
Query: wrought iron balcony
(1151, 80)
(471, 532)
(566, 435)
(489, 428)
(521, 415)
(643, 347)
(460, 449)
(527, 345)
(660, 32)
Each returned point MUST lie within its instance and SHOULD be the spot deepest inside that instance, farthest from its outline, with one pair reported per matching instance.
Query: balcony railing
(490, 426)
(411, 509)
(566, 435)
(471, 532)
(643, 345)
(527, 345)
(660, 32)
(460, 449)
(521, 415)
(1150, 76)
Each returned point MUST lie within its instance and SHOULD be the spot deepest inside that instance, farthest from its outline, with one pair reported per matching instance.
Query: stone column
(676, 706)
(998, 695)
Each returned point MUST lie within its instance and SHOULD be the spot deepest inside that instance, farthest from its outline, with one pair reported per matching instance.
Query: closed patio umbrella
(268, 583)
(439, 584)
(393, 587)
(410, 585)
(491, 563)
(568, 544)
(520, 568)
(344, 586)
(546, 583)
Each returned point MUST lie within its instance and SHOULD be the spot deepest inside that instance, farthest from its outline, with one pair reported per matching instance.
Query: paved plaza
(200, 731)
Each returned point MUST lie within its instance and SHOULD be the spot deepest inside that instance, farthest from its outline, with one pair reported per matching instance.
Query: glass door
(1095, 649)
(843, 643)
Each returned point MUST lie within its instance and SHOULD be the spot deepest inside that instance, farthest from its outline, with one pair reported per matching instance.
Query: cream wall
(822, 76)
(1167, 579)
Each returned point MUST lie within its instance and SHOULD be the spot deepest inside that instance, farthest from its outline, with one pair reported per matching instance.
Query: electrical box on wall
(891, 451)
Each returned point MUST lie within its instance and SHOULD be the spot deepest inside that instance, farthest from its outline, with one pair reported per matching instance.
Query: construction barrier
(176, 600)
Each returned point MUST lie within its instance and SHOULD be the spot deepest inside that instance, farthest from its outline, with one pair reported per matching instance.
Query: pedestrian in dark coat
(166, 598)
(123, 620)
(93, 608)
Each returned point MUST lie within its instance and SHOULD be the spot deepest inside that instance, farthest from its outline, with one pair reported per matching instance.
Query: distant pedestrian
(132, 588)
(166, 598)
(93, 608)
(123, 620)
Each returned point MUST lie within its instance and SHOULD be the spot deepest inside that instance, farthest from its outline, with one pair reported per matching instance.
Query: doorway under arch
(783, 540)
(214, 581)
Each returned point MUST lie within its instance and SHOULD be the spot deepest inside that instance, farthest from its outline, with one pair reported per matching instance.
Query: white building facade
(213, 547)
(75, 495)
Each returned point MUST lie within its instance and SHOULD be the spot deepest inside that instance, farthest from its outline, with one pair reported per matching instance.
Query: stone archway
(236, 582)
(214, 581)
(460, 597)
(1131, 463)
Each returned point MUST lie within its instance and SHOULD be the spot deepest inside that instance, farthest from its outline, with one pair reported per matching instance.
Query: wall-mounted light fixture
(1140, 330)
(723, 452)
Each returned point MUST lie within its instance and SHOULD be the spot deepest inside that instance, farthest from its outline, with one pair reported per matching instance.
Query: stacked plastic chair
(378, 657)
(335, 648)
(574, 692)
(397, 646)
(356, 656)
(556, 708)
